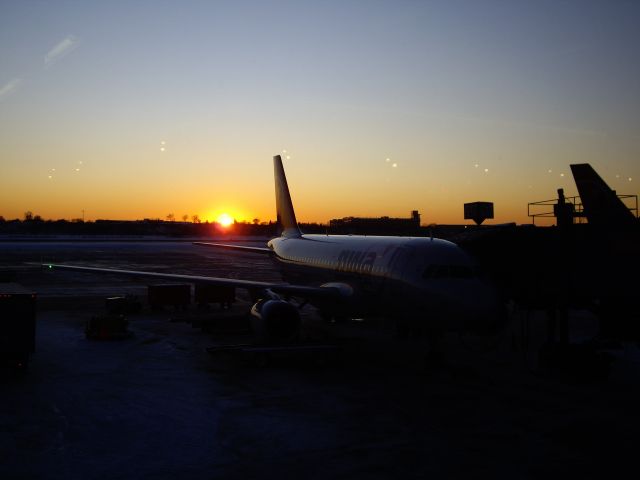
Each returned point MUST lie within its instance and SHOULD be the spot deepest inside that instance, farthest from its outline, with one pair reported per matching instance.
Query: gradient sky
(131, 110)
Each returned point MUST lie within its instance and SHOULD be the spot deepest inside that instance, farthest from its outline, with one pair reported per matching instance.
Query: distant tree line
(33, 224)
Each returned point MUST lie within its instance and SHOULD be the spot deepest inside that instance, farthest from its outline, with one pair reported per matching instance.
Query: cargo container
(17, 325)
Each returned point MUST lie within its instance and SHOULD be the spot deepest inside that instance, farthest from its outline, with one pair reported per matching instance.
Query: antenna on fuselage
(431, 225)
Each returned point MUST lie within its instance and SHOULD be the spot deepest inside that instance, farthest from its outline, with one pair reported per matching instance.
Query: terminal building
(376, 226)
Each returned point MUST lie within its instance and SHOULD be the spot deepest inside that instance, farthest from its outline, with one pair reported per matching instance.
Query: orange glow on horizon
(224, 220)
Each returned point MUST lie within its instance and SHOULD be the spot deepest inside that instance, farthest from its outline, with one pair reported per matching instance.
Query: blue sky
(470, 100)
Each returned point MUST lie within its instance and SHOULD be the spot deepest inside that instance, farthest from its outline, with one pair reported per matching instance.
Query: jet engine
(275, 321)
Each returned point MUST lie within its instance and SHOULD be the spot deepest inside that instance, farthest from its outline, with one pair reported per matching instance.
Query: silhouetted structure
(564, 211)
(377, 226)
(592, 265)
(478, 211)
(602, 206)
(142, 228)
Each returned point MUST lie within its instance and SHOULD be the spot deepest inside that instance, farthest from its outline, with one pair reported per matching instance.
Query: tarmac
(157, 405)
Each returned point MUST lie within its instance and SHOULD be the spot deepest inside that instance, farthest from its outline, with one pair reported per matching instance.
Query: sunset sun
(224, 220)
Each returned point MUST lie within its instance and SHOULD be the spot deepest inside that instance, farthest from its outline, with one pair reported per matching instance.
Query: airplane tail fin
(602, 206)
(284, 207)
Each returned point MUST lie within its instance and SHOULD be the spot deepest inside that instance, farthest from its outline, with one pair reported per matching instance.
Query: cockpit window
(460, 271)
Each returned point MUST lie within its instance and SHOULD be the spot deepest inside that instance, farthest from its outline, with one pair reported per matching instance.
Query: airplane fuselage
(392, 276)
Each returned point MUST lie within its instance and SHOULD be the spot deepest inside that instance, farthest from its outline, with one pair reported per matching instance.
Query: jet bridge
(589, 260)
(553, 208)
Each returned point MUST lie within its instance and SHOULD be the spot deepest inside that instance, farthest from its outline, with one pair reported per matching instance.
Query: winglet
(284, 206)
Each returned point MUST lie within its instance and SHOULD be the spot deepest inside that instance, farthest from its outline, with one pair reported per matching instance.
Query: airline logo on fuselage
(350, 260)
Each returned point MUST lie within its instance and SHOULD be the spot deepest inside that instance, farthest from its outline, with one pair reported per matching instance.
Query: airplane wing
(328, 292)
(240, 248)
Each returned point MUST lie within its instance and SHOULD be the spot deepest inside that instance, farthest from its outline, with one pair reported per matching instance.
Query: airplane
(421, 282)
(602, 207)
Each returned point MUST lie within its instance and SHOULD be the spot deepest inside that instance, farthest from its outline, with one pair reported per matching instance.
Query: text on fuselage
(354, 260)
